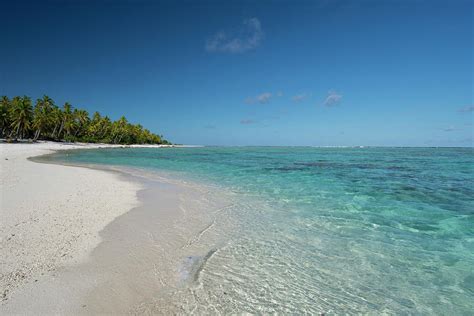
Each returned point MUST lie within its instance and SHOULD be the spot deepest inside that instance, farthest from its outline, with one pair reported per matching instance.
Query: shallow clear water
(331, 229)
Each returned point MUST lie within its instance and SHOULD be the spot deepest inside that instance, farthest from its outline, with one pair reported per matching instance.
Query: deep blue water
(335, 229)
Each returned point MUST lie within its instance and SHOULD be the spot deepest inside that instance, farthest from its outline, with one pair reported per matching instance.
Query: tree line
(19, 119)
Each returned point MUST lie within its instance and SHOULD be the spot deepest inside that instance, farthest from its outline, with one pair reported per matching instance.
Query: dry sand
(50, 215)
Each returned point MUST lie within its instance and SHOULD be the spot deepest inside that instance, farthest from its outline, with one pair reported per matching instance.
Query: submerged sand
(84, 241)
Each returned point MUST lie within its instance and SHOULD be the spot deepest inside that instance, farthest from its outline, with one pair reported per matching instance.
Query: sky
(298, 73)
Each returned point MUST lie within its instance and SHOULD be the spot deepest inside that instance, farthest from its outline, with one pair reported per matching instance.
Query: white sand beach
(68, 236)
(51, 214)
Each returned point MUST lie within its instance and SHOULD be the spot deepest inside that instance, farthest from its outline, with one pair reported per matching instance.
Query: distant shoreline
(90, 145)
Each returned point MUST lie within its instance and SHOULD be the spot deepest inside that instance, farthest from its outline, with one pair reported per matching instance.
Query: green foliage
(42, 119)
(19, 120)
(5, 105)
(21, 116)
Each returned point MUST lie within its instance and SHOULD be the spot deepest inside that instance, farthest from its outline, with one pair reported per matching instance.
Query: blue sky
(253, 73)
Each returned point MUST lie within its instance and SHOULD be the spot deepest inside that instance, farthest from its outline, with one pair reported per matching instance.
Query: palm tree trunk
(54, 130)
(60, 129)
(18, 131)
(102, 134)
(37, 134)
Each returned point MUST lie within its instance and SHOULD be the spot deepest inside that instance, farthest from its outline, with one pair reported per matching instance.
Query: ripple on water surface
(329, 230)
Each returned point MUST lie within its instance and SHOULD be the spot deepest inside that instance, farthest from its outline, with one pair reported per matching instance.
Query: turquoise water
(356, 230)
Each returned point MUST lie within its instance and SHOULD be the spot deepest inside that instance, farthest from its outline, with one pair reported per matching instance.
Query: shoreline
(79, 281)
(52, 214)
(189, 246)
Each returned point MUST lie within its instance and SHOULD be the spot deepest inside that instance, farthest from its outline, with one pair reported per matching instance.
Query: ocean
(328, 230)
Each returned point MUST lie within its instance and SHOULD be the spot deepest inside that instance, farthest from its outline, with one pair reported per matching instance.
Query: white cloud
(248, 37)
(450, 129)
(469, 108)
(264, 97)
(261, 98)
(333, 98)
(247, 122)
(299, 97)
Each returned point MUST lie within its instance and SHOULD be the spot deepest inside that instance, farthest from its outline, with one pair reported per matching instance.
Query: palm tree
(20, 115)
(42, 117)
(105, 129)
(5, 105)
(46, 120)
(81, 117)
(68, 121)
(125, 132)
(138, 135)
(57, 121)
(94, 126)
